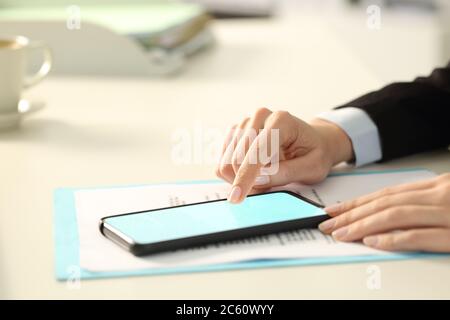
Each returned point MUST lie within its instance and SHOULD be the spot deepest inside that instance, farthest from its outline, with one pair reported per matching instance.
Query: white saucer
(25, 107)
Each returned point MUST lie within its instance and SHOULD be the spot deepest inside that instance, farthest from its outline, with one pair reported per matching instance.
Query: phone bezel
(140, 249)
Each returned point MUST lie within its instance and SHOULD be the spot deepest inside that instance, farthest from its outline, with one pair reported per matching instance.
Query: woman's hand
(306, 152)
(418, 212)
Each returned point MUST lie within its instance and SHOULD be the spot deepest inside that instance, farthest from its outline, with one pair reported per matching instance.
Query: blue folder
(67, 246)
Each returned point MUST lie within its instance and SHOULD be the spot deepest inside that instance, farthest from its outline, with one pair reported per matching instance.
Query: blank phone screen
(210, 217)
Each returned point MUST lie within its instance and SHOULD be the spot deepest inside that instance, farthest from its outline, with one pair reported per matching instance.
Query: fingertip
(341, 234)
(241, 187)
(371, 241)
(333, 209)
(235, 194)
(327, 226)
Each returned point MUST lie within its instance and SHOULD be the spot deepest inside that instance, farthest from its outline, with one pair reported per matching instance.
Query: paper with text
(100, 254)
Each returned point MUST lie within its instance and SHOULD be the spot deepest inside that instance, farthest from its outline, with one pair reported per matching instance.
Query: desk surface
(110, 131)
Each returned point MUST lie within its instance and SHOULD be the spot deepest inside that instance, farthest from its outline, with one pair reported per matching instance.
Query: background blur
(412, 36)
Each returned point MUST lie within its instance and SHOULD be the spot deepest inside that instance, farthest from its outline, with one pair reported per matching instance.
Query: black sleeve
(411, 117)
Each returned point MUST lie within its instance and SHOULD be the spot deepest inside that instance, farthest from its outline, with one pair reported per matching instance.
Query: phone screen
(211, 217)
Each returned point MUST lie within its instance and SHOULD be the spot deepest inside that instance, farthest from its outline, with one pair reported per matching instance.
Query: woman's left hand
(419, 213)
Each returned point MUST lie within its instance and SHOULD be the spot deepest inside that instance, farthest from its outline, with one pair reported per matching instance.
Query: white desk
(99, 132)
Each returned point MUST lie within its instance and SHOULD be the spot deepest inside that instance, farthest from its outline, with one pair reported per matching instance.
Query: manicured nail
(339, 234)
(327, 225)
(333, 208)
(235, 194)
(262, 180)
(371, 241)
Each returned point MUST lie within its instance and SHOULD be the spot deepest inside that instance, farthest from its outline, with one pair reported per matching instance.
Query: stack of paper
(169, 31)
(247, 8)
(97, 256)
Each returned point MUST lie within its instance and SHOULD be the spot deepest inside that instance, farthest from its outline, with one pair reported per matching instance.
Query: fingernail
(234, 195)
(261, 180)
(339, 234)
(333, 208)
(327, 225)
(371, 241)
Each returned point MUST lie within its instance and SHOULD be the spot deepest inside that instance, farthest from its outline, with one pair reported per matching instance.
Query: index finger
(260, 153)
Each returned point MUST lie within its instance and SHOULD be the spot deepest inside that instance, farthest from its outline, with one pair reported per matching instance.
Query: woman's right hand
(305, 152)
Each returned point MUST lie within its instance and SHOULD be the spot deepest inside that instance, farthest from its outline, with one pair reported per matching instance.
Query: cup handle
(45, 67)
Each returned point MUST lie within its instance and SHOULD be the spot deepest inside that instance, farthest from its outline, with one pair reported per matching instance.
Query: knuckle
(381, 204)
(225, 169)
(318, 175)
(235, 163)
(440, 179)
(375, 206)
(412, 237)
(250, 134)
(260, 112)
(239, 154)
(230, 133)
(234, 129)
(446, 190)
(445, 187)
(359, 227)
(446, 236)
(344, 219)
(444, 177)
(319, 168)
(346, 206)
(286, 173)
(365, 224)
(321, 155)
(391, 214)
(217, 172)
(243, 174)
(387, 242)
(280, 116)
(386, 191)
(324, 163)
(442, 194)
(221, 170)
(242, 124)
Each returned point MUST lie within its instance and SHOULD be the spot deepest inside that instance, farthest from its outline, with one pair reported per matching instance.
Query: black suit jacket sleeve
(411, 117)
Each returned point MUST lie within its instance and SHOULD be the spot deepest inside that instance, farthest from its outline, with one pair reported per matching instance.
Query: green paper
(135, 19)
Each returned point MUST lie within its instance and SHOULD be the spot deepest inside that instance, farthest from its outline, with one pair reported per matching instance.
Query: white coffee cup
(15, 53)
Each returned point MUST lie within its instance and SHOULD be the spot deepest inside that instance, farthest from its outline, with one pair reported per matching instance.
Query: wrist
(337, 143)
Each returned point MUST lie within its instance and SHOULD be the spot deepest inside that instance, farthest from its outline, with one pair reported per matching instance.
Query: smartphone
(197, 224)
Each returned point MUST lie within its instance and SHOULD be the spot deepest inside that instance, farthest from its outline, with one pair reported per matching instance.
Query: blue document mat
(67, 247)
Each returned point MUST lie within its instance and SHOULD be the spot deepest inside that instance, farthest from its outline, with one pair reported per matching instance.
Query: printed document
(99, 254)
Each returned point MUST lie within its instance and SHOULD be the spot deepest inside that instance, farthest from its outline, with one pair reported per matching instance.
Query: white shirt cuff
(361, 130)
